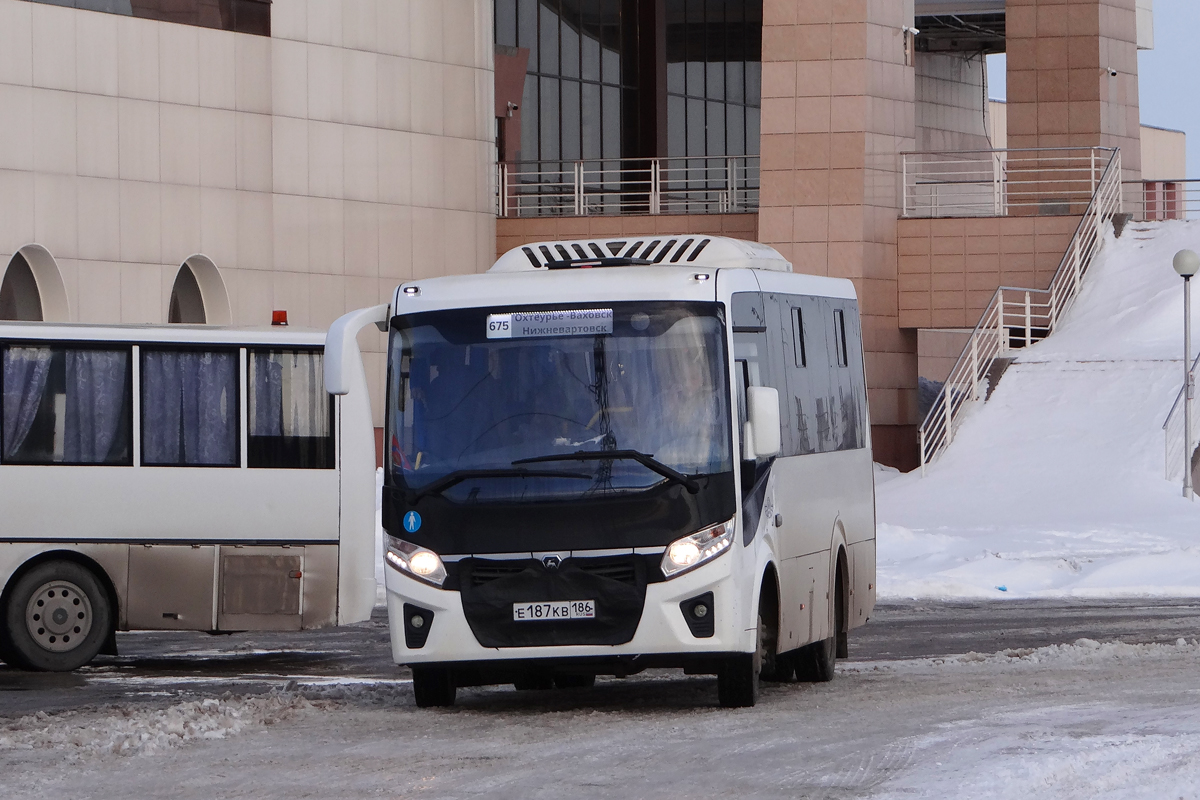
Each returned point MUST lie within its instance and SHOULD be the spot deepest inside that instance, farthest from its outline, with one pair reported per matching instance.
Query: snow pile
(368, 693)
(1084, 652)
(128, 731)
(1055, 487)
(1058, 753)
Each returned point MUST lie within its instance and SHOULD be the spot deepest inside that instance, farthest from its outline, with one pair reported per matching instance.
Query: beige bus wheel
(57, 617)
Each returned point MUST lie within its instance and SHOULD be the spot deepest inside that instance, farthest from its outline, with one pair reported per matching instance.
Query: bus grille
(489, 590)
(624, 572)
(486, 572)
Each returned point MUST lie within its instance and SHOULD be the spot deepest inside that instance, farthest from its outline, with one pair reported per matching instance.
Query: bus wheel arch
(98, 597)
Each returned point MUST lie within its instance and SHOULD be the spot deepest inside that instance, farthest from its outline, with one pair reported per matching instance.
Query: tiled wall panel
(130, 145)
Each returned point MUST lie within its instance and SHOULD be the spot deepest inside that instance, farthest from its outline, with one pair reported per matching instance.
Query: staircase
(1017, 318)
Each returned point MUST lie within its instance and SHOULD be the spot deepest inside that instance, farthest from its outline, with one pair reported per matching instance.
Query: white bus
(605, 456)
(176, 478)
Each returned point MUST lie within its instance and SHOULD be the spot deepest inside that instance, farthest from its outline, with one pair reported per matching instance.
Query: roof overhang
(928, 7)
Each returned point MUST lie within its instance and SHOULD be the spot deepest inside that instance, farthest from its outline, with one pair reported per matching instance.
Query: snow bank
(128, 731)
(1055, 487)
(1084, 652)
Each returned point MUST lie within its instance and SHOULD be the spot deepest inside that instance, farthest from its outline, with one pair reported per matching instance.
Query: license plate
(571, 609)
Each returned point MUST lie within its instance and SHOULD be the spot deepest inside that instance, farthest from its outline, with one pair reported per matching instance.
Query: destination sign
(528, 324)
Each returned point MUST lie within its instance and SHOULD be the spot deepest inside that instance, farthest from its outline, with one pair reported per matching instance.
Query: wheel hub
(58, 616)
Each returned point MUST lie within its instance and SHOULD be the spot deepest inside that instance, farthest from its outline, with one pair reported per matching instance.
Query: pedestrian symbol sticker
(412, 522)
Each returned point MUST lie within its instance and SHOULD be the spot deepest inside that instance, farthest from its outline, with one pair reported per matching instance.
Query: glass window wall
(582, 90)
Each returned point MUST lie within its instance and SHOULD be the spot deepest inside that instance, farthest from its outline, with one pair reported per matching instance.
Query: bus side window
(66, 405)
(848, 381)
(290, 414)
(798, 336)
(839, 337)
(190, 407)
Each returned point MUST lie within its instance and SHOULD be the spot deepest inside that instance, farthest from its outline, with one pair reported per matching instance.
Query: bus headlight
(416, 561)
(692, 551)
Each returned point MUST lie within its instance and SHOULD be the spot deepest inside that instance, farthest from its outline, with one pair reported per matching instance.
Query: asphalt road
(163, 668)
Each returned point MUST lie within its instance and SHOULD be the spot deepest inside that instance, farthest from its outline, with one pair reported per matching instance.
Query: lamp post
(1187, 264)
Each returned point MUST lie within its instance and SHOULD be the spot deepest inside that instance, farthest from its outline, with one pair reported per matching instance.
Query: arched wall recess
(213, 294)
(51, 291)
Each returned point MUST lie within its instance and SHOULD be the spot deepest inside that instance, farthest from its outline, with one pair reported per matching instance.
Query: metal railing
(1157, 201)
(1000, 183)
(1173, 432)
(708, 185)
(1013, 319)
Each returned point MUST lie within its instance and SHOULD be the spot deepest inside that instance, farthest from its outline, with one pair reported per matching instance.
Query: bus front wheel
(739, 677)
(57, 617)
(433, 687)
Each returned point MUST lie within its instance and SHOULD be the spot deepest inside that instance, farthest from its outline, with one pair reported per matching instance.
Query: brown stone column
(837, 109)
(1061, 90)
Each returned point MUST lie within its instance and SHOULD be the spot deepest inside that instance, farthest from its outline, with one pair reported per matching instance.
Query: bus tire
(815, 662)
(433, 687)
(57, 617)
(739, 678)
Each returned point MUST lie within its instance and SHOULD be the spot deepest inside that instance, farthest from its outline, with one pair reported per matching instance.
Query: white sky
(1169, 74)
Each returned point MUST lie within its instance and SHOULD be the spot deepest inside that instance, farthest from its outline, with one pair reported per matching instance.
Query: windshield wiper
(458, 476)
(647, 461)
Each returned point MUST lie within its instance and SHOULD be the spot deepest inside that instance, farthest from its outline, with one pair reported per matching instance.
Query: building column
(837, 109)
(1062, 90)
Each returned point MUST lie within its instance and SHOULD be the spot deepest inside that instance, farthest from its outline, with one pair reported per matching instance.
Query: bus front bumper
(663, 636)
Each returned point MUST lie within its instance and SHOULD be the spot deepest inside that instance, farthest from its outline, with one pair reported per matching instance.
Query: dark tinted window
(839, 338)
(190, 408)
(798, 336)
(291, 414)
(65, 405)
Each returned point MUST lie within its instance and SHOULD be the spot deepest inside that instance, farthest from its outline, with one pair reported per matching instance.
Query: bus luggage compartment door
(171, 587)
(260, 588)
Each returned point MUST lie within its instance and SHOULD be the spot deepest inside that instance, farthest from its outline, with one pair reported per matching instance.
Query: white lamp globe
(1186, 263)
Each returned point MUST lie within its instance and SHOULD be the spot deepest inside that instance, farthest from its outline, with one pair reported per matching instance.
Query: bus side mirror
(341, 345)
(763, 433)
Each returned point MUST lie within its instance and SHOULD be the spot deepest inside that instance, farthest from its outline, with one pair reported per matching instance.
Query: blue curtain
(95, 404)
(25, 372)
(189, 408)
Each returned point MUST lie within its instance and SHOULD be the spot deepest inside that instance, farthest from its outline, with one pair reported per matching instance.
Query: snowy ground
(1055, 487)
(1020, 723)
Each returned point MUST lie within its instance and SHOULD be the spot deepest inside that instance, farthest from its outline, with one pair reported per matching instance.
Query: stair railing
(1012, 313)
(1173, 433)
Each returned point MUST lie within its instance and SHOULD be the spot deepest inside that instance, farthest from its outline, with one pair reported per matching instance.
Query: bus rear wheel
(815, 662)
(57, 617)
(433, 687)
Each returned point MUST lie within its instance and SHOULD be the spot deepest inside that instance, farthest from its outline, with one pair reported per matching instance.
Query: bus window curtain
(189, 408)
(96, 381)
(26, 370)
(288, 397)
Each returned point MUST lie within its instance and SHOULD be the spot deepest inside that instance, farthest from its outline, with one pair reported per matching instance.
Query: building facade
(801, 122)
(216, 160)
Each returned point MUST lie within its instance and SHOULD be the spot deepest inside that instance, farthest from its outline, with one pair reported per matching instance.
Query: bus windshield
(482, 412)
